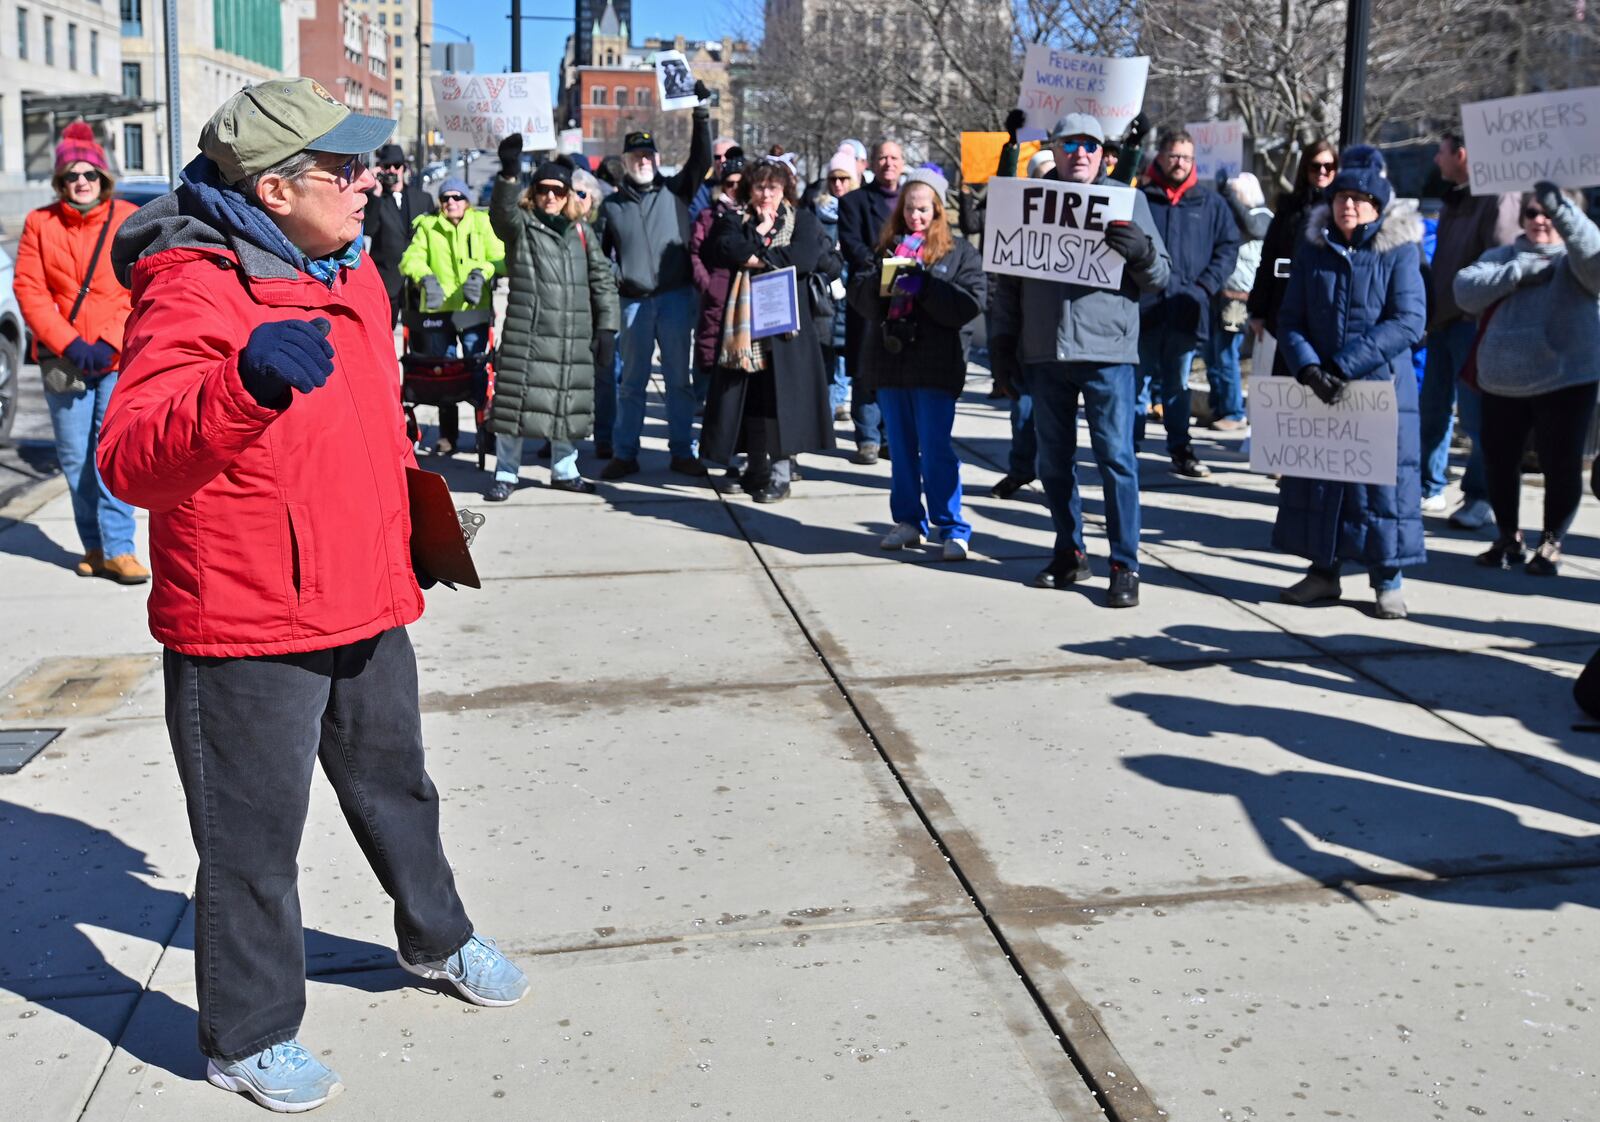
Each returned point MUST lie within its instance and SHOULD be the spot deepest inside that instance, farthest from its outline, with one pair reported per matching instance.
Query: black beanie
(552, 172)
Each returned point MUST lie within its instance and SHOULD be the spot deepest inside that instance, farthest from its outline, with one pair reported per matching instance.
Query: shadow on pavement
(1442, 831)
(63, 876)
(25, 539)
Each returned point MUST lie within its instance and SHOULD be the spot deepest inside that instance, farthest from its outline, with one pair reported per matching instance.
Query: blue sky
(485, 22)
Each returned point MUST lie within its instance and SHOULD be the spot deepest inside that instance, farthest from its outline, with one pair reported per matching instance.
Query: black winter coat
(862, 214)
(389, 227)
(954, 291)
(1287, 230)
(804, 419)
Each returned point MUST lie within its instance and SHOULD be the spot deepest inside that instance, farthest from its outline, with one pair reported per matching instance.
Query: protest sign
(1218, 146)
(1293, 433)
(774, 303)
(1055, 83)
(675, 81)
(1048, 230)
(480, 110)
(980, 155)
(1514, 142)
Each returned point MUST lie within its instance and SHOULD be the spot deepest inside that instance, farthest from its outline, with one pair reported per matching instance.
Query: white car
(11, 341)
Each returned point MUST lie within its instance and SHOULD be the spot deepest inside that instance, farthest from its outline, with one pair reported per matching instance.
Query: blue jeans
(839, 387)
(667, 318)
(1383, 578)
(1447, 353)
(925, 465)
(508, 458)
(1108, 399)
(1164, 361)
(104, 521)
(1222, 369)
(1023, 462)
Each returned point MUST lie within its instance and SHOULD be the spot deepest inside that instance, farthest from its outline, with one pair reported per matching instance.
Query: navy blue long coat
(1358, 308)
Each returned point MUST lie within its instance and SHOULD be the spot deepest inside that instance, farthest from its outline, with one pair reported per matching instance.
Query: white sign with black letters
(1293, 433)
(675, 81)
(1514, 142)
(1048, 230)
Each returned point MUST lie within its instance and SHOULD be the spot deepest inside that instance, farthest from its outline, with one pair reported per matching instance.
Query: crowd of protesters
(185, 348)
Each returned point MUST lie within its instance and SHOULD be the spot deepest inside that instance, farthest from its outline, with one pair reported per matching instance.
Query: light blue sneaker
(478, 971)
(284, 1078)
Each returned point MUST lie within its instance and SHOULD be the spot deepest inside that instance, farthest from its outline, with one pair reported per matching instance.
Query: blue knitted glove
(105, 355)
(81, 355)
(289, 354)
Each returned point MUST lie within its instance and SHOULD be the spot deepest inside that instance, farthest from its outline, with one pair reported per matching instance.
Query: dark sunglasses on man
(1084, 145)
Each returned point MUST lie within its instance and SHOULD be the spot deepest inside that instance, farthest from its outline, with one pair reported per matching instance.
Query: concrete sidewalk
(787, 828)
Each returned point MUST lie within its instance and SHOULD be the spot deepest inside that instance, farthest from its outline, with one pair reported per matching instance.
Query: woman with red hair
(76, 309)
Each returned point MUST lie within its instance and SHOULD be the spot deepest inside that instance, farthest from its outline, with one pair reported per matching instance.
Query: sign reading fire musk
(1048, 230)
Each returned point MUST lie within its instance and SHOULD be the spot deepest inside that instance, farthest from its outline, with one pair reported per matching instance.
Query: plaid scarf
(326, 269)
(737, 350)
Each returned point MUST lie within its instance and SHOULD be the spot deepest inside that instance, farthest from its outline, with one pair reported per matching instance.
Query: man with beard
(645, 229)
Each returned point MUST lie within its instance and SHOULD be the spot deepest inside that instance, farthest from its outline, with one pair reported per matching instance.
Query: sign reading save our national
(1514, 142)
(1049, 230)
(479, 110)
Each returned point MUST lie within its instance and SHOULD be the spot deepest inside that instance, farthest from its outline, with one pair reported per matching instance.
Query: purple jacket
(712, 285)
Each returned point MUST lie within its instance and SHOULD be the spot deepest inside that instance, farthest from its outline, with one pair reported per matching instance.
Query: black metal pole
(1352, 107)
(422, 148)
(516, 36)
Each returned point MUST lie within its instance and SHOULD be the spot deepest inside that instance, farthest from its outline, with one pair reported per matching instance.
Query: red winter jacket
(271, 531)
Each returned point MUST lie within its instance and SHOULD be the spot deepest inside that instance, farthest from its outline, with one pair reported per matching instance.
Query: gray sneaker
(1474, 514)
(1391, 604)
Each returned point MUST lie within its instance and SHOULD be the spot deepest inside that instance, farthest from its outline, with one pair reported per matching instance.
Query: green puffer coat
(562, 293)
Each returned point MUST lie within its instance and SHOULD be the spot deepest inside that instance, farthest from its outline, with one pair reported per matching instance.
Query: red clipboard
(437, 542)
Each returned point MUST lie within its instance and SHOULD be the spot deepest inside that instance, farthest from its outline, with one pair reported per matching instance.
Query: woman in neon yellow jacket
(453, 259)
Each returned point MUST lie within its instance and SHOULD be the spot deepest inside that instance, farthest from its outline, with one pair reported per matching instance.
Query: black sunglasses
(1323, 165)
(550, 189)
(394, 167)
(452, 198)
(90, 176)
(1529, 213)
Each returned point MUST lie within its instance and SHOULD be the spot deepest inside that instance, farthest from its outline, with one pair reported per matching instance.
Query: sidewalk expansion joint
(1120, 1097)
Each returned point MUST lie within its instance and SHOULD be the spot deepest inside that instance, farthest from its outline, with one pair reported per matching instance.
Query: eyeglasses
(90, 176)
(1323, 167)
(1529, 213)
(452, 198)
(394, 167)
(1071, 146)
(555, 189)
(346, 173)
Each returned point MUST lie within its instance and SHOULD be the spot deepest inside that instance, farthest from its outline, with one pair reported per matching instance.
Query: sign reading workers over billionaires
(1049, 230)
(479, 110)
(1293, 433)
(1514, 142)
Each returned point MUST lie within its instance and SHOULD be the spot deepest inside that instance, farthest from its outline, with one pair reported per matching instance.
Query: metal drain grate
(19, 746)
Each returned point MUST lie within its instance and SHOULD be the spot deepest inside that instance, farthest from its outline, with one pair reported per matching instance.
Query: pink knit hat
(78, 143)
(843, 160)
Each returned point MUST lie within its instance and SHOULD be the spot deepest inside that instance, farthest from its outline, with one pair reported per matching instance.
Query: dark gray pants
(246, 732)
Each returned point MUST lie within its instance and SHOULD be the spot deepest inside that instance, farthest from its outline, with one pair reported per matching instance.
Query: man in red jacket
(258, 420)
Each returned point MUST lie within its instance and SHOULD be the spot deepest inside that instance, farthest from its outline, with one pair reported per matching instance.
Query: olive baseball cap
(265, 124)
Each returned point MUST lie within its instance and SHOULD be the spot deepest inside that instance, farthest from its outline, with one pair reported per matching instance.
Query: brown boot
(93, 561)
(125, 570)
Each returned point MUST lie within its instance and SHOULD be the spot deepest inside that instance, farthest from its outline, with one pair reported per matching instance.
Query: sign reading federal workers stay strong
(1049, 230)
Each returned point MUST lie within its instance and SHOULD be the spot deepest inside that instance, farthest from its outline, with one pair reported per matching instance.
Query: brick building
(342, 46)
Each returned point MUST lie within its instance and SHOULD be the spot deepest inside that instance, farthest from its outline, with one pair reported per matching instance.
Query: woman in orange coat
(76, 309)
